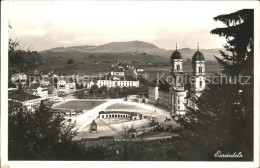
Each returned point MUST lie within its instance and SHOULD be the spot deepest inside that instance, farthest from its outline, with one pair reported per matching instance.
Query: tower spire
(176, 46)
(198, 47)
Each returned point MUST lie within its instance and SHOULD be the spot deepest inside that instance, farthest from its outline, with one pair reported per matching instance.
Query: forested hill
(134, 47)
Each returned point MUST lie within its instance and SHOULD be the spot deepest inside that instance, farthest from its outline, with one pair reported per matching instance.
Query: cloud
(33, 32)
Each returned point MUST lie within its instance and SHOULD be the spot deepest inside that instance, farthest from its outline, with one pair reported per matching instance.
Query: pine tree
(239, 34)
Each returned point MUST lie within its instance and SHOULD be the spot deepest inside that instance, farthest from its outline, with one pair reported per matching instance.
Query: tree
(223, 119)
(20, 59)
(70, 61)
(79, 94)
(239, 34)
(93, 90)
(35, 135)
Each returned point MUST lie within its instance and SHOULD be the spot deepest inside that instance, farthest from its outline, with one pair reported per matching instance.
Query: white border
(117, 164)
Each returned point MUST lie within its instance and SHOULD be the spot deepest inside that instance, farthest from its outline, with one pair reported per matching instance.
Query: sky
(45, 25)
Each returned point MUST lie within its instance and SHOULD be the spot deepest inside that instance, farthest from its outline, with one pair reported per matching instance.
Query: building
(31, 102)
(137, 98)
(19, 78)
(52, 92)
(38, 90)
(164, 95)
(117, 81)
(120, 114)
(45, 80)
(117, 71)
(64, 87)
(181, 89)
(159, 93)
(139, 69)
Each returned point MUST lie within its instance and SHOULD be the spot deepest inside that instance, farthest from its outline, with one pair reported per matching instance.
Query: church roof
(176, 55)
(120, 78)
(119, 112)
(198, 56)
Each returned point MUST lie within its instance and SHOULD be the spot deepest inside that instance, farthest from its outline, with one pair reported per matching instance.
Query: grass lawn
(125, 107)
(156, 134)
(84, 105)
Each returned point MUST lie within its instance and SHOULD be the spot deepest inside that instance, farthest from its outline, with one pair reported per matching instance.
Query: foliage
(20, 59)
(70, 61)
(35, 135)
(239, 34)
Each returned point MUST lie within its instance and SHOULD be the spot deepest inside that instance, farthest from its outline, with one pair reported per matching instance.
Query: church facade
(182, 88)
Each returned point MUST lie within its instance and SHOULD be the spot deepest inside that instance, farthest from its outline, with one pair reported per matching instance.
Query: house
(117, 81)
(139, 69)
(158, 92)
(31, 102)
(120, 66)
(52, 92)
(45, 80)
(117, 72)
(164, 95)
(19, 78)
(66, 87)
(38, 90)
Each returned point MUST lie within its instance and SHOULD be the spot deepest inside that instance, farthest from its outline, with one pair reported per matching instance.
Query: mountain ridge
(135, 47)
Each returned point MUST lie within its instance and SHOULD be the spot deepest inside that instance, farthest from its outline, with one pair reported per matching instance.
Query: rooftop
(120, 78)
(21, 95)
(118, 112)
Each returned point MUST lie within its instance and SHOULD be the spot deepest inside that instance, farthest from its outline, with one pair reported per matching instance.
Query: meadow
(93, 64)
(83, 105)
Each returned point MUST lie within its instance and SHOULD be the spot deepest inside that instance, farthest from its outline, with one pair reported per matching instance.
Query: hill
(134, 47)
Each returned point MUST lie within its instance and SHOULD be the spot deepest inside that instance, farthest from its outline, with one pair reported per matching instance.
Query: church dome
(198, 56)
(176, 55)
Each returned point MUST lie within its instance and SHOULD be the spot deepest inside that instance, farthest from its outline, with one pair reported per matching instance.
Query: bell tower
(198, 66)
(177, 73)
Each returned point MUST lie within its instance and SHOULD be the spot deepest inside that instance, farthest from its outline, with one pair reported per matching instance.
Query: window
(200, 83)
(200, 69)
(178, 67)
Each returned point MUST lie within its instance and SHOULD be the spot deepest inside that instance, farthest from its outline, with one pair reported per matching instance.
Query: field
(83, 105)
(99, 63)
(124, 106)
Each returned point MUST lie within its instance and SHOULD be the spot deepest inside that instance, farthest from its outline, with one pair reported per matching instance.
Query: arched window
(178, 67)
(200, 69)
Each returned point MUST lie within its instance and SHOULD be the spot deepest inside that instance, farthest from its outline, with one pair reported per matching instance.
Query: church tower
(198, 83)
(177, 73)
(177, 92)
